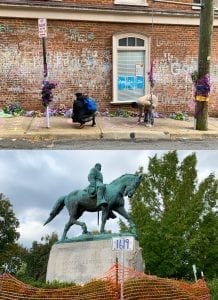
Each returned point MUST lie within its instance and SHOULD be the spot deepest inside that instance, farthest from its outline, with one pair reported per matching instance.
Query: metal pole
(117, 278)
(44, 58)
(45, 74)
(122, 279)
(47, 116)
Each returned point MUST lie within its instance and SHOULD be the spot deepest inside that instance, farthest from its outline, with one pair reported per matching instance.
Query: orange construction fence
(131, 284)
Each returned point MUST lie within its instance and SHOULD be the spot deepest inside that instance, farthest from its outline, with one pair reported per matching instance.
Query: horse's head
(132, 185)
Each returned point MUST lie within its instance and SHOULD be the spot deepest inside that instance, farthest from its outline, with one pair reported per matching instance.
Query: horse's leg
(66, 228)
(121, 210)
(83, 225)
(105, 212)
(71, 222)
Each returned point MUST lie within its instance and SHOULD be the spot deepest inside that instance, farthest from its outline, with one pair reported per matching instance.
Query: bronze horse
(79, 201)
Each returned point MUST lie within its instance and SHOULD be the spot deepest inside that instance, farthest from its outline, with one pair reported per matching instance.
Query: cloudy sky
(34, 180)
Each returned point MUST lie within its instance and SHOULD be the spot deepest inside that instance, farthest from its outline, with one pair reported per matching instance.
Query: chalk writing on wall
(16, 90)
(214, 71)
(170, 68)
(173, 78)
(77, 36)
(21, 71)
(87, 69)
(5, 28)
(169, 43)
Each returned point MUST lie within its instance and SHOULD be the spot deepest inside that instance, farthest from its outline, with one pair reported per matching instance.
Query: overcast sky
(34, 179)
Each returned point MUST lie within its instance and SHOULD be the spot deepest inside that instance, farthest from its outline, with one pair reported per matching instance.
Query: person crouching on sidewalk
(146, 105)
(80, 113)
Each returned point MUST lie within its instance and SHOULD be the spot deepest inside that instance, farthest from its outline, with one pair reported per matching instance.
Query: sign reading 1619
(125, 243)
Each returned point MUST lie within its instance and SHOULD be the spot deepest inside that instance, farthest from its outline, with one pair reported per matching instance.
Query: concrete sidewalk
(108, 128)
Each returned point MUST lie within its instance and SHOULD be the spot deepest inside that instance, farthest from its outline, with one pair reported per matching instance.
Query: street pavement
(107, 128)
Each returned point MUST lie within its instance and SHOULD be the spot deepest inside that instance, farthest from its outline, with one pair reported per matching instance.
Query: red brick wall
(150, 3)
(79, 56)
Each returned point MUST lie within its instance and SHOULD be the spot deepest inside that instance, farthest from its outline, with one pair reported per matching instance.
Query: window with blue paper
(131, 72)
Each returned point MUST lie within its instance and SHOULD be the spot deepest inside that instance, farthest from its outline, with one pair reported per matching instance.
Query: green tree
(9, 261)
(37, 258)
(175, 217)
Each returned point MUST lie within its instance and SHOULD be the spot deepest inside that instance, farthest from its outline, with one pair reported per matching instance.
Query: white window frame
(116, 48)
(199, 1)
(132, 2)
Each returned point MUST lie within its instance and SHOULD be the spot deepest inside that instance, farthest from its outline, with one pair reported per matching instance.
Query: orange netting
(136, 286)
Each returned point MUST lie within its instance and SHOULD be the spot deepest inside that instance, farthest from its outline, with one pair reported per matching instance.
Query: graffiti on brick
(173, 76)
(171, 66)
(88, 69)
(5, 28)
(169, 43)
(214, 72)
(91, 70)
(16, 90)
(178, 68)
(77, 36)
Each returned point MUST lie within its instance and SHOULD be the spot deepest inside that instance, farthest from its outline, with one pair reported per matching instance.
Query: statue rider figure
(95, 178)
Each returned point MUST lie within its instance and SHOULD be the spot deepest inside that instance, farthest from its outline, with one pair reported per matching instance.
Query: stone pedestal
(83, 261)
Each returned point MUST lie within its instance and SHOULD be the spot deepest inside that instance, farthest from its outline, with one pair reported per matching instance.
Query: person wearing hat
(95, 179)
(80, 113)
(98, 188)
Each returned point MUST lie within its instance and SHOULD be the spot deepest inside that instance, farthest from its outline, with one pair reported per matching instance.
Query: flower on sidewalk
(13, 109)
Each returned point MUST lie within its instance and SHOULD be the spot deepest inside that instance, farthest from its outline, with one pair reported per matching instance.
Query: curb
(73, 136)
(119, 135)
(134, 135)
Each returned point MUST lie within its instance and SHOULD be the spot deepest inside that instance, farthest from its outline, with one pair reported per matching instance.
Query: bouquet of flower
(47, 96)
(13, 109)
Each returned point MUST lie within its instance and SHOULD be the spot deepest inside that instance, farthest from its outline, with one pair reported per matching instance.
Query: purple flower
(47, 96)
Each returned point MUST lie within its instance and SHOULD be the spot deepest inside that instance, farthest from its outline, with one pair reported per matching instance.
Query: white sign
(139, 69)
(126, 243)
(42, 25)
(131, 2)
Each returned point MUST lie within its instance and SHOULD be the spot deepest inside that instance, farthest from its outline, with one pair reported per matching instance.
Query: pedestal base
(83, 261)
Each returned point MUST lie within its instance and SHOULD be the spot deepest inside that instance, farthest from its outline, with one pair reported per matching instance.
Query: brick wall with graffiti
(79, 57)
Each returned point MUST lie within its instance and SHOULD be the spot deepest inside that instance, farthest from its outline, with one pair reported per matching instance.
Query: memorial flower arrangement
(13, 109)
(202, 86)
(47, 88)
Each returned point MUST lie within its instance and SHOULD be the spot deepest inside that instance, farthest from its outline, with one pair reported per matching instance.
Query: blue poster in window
(131, 82)
(121, 82)
(140, 82)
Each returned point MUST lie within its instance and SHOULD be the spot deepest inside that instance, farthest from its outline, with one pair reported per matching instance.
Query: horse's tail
(59, 205)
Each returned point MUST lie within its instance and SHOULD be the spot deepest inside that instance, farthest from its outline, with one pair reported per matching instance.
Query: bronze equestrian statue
(79, 201)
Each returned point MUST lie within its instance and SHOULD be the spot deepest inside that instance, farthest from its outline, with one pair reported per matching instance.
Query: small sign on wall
(42, 25)
(139, 69)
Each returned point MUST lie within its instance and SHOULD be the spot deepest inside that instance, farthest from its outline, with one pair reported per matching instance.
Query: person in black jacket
(80, 113)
